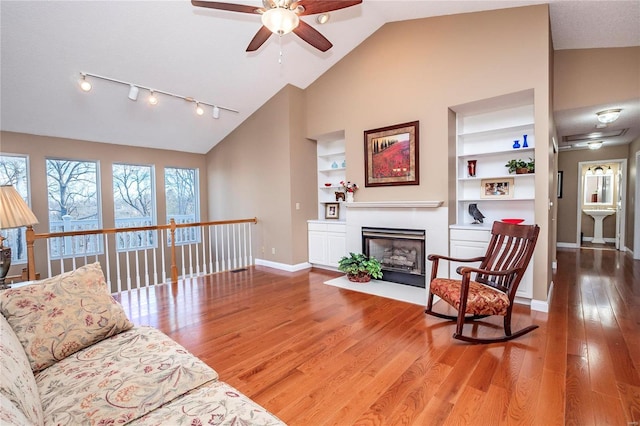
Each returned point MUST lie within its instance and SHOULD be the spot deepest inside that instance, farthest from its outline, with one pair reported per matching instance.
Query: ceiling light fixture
(322, 19)
(216, 112)
(153, 99)
(594, 145)
(280, 20)
(609, 115)
(133, 93)
(84, 84)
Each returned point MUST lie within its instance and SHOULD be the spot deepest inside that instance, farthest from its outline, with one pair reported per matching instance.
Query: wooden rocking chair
(496, 281)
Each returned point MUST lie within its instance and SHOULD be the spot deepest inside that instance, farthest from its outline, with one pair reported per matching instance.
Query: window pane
(73, 205)
(13, 171)
(181, 188)
(134, 204)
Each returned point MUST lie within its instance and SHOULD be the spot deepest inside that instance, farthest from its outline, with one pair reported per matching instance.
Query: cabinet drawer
(470, 235)
(336, 227)
(314, 226)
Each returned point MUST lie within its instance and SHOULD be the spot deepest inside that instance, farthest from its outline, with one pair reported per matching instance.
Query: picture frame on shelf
(340, 196)
(391, 155)
(331, 210)
(496, 188)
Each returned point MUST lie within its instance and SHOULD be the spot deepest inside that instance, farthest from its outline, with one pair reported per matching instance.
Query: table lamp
(14, 213)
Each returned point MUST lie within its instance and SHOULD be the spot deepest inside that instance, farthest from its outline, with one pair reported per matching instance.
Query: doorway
(601, 204)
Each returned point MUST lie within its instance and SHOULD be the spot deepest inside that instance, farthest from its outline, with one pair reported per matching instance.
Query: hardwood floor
(314, 354)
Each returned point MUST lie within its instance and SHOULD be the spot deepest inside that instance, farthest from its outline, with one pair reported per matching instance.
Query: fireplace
(400, 251)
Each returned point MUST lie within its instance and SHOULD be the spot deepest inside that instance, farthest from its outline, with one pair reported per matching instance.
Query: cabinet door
(465, 249)
(317, 247)
(336, 247)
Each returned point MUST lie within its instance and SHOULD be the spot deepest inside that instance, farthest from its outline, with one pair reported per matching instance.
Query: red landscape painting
(391, 158)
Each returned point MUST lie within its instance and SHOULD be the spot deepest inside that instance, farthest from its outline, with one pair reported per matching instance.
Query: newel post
(31, 262)
(174, 266)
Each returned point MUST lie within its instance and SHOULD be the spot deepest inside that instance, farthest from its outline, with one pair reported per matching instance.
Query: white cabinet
(467, 242)
(327, 242)
(331, 167)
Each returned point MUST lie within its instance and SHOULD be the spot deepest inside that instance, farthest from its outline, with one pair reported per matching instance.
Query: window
(181, 188)
(134, 204)
(14, 171)
(73, 198)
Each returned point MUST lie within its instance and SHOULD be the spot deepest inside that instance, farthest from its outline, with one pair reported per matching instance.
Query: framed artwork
(391, 155)
(331, 210)
(496, 188)
(559, 193)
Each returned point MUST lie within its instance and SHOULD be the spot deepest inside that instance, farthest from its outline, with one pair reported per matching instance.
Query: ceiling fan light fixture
(323, 18)
(609, 115)
(594, 145)
(84, 84)
(280, 21)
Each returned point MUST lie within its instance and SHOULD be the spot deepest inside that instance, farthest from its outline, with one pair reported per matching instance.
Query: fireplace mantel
(394, 204)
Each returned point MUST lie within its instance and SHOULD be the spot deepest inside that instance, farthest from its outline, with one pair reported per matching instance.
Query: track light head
(199, 109)
(84, 84)
(216, 112)
(153, 100)
(133, 92)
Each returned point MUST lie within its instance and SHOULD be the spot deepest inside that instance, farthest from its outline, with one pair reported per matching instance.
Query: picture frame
(391, 155)
(496, 188)
(559, 189)
(331, 210)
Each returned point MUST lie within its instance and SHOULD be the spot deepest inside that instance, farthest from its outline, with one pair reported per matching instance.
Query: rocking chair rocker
(495, 285)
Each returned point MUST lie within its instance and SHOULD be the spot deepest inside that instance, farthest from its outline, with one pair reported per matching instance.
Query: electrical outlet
(273, 250)
(263, 250)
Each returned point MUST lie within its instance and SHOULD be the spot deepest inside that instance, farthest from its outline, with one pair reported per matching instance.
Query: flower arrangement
(348, 186)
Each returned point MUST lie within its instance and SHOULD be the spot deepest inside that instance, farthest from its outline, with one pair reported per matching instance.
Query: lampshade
(609, 115)
(280, 20)
(599, 171)
(14, 212)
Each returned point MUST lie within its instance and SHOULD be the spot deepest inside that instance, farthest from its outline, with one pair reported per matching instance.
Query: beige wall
(263, 168)
(38, 148)
(416, 70)
(577, 76)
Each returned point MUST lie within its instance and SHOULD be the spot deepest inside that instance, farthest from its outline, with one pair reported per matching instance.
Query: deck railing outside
(139, 256)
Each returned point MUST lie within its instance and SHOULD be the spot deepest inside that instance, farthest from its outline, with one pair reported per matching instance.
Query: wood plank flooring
(315, 354)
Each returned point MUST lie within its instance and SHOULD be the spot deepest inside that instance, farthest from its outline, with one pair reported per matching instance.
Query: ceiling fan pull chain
(280, 43)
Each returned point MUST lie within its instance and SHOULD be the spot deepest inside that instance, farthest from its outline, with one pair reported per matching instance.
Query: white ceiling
(200, 53)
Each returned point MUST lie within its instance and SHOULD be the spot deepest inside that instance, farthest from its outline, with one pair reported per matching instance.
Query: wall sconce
(609, 115)
(134, 90)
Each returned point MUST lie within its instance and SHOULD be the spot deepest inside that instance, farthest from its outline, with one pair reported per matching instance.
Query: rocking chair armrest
(462, 270)
(433, 257)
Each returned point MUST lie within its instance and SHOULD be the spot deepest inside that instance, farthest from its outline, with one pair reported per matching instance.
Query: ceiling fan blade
(322, 6)
(258, 40)
(312, 36)
(226, 6)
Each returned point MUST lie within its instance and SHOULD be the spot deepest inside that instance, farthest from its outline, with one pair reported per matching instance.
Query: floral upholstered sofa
(70, 356)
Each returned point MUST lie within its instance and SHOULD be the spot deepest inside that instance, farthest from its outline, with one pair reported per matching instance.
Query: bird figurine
(475, 213)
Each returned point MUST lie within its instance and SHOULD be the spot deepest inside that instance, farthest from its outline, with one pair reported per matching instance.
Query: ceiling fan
(282, 17)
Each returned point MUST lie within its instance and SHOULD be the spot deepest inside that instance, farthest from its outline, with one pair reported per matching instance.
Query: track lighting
(133, 93)
(84, 84)
(134, 90)
(153, 100)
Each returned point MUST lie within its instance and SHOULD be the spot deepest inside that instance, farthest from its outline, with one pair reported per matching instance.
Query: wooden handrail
(31, 237)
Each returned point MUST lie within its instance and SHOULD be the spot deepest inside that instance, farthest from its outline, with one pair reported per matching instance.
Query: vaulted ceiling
(200, 53)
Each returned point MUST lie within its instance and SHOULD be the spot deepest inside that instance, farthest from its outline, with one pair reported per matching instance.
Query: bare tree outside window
(73, 199)
(181, 189)
(133, 199)
(14, 171)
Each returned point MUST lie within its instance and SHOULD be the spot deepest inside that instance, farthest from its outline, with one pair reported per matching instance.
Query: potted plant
(360, 268)
(520, 166)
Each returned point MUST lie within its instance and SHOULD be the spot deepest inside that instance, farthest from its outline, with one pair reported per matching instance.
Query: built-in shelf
(394, 204)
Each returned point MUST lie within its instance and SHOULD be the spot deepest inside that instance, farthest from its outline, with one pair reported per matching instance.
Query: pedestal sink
(598, 217)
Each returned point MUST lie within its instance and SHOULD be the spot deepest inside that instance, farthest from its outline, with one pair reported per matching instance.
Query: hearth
(400, 251)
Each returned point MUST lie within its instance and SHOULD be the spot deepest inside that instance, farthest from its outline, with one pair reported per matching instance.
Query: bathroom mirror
(598, 190)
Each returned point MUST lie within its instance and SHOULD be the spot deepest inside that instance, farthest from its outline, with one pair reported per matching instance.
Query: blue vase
(524, 142)
(516, 144)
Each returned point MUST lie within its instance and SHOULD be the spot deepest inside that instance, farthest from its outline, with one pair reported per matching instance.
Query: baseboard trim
(567, 245)
(542, 305)
(283, 266)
